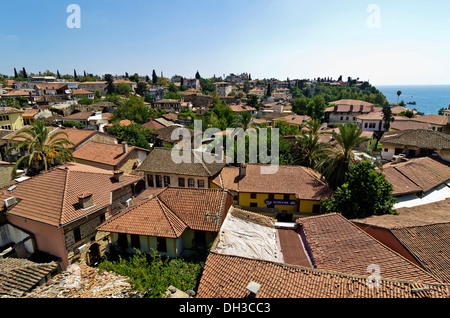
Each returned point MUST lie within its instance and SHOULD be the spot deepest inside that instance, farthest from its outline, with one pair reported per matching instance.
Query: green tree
(133, 109)
(110, 88)
(335, 167)
(154, 77)
(133, 134)
(398, 95)
(123, 89)
(388, 118)
(141, 87)
(244, 120)
(41, 148)
(366, 192)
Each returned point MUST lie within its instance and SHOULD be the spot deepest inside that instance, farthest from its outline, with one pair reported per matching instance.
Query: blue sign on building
(280, 202)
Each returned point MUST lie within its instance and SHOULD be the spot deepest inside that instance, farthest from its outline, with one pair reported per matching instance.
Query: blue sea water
(429, 98)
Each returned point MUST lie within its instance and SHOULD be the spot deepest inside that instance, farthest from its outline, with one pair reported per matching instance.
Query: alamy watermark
(218, 152)
(373, 281)
(74, 19)
(374, 19)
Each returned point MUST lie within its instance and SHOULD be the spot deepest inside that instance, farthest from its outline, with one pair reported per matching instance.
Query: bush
(154, 274)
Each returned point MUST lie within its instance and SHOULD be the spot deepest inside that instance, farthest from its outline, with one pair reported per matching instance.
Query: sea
(429, 98)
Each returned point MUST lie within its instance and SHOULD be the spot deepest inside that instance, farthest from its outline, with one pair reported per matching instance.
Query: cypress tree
(24, 73)
(154, 77)
(15, 73)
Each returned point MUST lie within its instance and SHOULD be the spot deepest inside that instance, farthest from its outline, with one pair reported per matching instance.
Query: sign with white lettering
(280, 202)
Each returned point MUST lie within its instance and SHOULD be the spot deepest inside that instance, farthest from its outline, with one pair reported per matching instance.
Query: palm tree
(398, 95)
(335, 167)
(309, 150)
(244, 120)
(41, 149)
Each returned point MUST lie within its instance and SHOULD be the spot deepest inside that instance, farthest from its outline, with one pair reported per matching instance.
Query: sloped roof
(339, 246)
(150, 218)
(108, 154)
(227, 276)
(420, 173)
(19, 276)
(52, 197)
(79, 116)
(305, 183)
(165, 134)
(170, 212)
(427, 214)
(422, 138)
(83, 281)
(433, 119)
(160, 161)
(430, 245)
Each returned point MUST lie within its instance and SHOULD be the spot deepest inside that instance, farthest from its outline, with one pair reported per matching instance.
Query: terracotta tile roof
(81, 92)
(371, 116)
(19, 276)
(16, 93)
(407, 125)
(200, 209)
(337, 245)
(78, 136)
(426, 173)
(430, 245)
(30, 112)
(79, 116)
(401, 184)
(108, 154)
(9, 110)
(422, 138)
(226, 276)
(432, 213)
(150, 218)
(172, 211)
(153, 125)
(160, 161)
(50, 86)
(82, 281)
(294, 119)
(439, 120)
(165, 134)
(52, 197)
(303, 182)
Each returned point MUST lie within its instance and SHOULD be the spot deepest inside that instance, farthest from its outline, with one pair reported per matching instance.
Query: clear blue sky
(267, 38)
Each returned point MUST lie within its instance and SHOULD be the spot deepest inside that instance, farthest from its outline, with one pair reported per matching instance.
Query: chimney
(86, 200)
(118, 175)
(242, 171)
(253, 288)
(125, 146)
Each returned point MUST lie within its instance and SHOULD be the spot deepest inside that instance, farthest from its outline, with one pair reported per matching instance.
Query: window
(102, 218)
(181, 182)
(166, 181)
(122, 241)
(191, 183)
(159, 181)
(385, 150)
(162, 246)
(253, 205)
(271, 196)
(372, 125)
(201, 183)
(287, 197)
(135, 242)
(365, 125)
(77, 234)
(150, 181)
(342, 118)
(253, 195)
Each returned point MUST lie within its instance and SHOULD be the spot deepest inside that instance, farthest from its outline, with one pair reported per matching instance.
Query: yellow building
(10, 118)
(291, 192)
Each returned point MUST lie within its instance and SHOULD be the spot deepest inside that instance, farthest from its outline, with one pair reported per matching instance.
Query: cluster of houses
(266, 234)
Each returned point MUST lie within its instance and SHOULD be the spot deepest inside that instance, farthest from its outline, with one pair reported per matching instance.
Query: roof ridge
(165, 209)
(308, 269)
(66, 181)
(378, 243)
